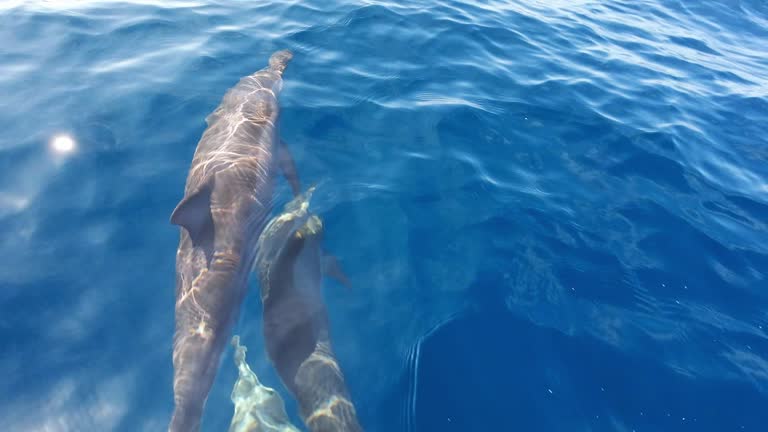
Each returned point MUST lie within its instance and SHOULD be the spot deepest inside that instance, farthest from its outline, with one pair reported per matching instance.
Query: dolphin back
(278, 234)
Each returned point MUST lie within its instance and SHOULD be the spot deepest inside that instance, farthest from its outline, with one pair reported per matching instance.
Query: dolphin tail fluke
(279, 60)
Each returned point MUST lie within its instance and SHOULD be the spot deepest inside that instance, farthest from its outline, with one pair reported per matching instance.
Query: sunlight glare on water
(63, 144)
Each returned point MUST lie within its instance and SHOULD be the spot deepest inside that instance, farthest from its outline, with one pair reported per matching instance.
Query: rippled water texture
(553, 214)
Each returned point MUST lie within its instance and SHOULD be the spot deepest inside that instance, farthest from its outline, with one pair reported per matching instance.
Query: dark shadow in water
(490, 370)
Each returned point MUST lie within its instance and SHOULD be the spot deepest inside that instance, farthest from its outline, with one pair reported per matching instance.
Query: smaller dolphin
(289, 263)
(257, 408)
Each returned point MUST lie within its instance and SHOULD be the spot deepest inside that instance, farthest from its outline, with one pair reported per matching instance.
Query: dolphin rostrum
(227, 200)
(290, 266)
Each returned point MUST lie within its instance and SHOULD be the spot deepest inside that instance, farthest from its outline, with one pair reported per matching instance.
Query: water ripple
(607, 158)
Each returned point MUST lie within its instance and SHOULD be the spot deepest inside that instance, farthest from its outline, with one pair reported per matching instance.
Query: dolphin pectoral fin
(193, 213)
(288, 167)
(332, 269)
(214, 116)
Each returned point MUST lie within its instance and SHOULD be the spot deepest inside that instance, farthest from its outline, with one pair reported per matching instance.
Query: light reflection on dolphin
(296, 329)
(227, 200)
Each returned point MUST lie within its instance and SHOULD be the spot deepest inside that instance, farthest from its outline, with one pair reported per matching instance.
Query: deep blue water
(554, 214)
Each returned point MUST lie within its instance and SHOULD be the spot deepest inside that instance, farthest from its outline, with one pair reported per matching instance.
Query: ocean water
(554, 214)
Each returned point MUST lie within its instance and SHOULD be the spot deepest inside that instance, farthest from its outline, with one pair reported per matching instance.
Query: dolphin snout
(279, 60)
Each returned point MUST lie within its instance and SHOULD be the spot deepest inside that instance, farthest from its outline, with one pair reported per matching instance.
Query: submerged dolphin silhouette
(227, 200)
(296, 330)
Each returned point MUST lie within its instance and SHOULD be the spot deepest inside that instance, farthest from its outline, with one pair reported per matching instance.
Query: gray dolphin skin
(227, 200)
(296, 329)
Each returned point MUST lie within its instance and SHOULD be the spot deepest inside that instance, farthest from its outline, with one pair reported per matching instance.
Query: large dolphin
(290, 266)
(227, 200)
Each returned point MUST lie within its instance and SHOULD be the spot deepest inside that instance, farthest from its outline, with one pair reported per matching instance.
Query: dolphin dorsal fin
(193, 213)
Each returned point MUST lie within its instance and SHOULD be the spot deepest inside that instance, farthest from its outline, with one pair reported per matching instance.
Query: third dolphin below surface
(258, 408)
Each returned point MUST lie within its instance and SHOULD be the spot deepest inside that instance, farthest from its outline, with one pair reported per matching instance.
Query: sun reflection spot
(63, 144)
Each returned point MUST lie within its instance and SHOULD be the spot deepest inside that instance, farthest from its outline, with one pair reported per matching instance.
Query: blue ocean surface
(554, 214)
